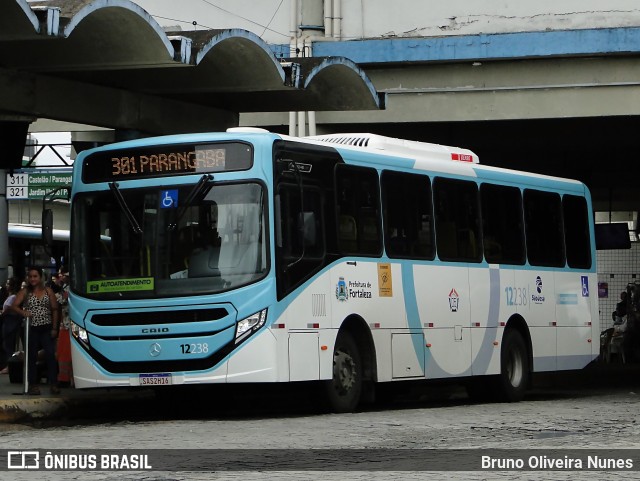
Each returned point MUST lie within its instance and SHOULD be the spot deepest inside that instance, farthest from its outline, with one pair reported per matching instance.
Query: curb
(79, 403)
(29, 408)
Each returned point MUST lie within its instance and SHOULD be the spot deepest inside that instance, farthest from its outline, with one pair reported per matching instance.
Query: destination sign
(157, 161)
(38, 185)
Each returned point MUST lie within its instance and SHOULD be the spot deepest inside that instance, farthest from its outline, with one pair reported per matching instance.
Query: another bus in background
(26, 248)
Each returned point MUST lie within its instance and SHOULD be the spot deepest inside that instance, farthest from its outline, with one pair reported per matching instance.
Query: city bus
(26, 248)
(349, 262)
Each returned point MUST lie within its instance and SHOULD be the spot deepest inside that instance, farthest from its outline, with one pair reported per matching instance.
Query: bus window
(502, 224)
(543, 226)
(357, 207)
(457, 220)
(406, 204)
(299, 234)
(576, 231)
(213, 243)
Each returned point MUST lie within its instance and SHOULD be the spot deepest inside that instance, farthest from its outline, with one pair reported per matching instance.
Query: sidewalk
(16, 406)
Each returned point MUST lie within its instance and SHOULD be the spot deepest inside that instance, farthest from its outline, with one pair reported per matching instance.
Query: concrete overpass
(108, 63)
(560, 102)
(563, 103)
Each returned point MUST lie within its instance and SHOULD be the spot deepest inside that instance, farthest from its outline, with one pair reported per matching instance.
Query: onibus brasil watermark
(381, 459)
(52, 461)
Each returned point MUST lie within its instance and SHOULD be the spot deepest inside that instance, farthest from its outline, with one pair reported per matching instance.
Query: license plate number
(155, 379)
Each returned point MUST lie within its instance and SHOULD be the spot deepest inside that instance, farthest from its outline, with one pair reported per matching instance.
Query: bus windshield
(184, 240)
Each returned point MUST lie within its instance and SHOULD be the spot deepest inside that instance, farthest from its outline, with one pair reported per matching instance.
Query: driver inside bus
(208, 223)
(197, 240)
(204, 256)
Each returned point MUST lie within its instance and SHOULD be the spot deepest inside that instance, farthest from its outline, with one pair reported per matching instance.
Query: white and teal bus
(349, 260)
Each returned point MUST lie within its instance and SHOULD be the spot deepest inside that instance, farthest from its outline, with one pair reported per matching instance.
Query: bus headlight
(250, 324)
(80, 333)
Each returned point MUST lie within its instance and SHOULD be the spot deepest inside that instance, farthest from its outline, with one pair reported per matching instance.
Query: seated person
(621, 309)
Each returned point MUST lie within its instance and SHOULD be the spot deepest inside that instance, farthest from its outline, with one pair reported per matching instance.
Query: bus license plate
(161, 379)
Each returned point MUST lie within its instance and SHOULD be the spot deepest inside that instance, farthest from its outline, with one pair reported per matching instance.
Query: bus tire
(514, 367)
(344, 390)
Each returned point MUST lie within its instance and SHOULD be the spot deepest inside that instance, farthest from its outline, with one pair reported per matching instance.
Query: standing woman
(11, 322)
(39, 304)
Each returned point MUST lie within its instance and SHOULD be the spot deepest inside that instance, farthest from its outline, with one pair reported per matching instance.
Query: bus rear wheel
(514, 367)
(343, 391)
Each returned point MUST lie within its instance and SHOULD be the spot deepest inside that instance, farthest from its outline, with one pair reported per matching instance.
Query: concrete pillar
(4, 229)
(302, 124)
(13, 136)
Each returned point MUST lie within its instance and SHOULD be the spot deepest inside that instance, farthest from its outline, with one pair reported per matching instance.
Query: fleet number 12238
(196, 348)
(516, 296)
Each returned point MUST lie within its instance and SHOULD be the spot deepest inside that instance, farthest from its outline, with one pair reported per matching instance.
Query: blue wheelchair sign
(585, 286)
(169, 199)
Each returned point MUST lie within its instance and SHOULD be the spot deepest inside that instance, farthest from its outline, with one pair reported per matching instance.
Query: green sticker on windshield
(119, 285)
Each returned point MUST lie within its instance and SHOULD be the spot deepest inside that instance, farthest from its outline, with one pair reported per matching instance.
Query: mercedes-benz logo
(155, 349)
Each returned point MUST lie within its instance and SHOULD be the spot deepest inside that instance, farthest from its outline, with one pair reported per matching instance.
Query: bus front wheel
(514, 367)
(343, 391)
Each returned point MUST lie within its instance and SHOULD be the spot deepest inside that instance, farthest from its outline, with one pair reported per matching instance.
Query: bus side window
(576, 231)
(357, 198)
(424, 244)
(407, 215)
(347, 234)
(503, 237)
(299, 234)
(447, 240)
(543, 228)
(369, 235)
(457, 214)
(467, 242)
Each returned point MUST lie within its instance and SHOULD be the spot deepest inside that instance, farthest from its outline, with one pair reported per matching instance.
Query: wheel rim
(345, 371)
(515, 368)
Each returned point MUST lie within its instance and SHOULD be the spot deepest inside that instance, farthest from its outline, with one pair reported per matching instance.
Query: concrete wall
(616, 268)
(402, 18)
(408, 18)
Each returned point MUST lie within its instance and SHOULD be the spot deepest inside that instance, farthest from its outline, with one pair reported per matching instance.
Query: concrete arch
(109, 63)
(235, 59)
(116, 30)
(228, 43)
(324, 74)
(18, 21)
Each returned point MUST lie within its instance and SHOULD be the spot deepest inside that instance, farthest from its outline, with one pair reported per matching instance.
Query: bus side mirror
(47, 227)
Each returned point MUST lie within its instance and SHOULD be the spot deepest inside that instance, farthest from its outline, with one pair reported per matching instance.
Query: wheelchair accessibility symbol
(169, 199)
(585, 286)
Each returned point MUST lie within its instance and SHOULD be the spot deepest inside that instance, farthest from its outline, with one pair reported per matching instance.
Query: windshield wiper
(125, 208)
(195, 192)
